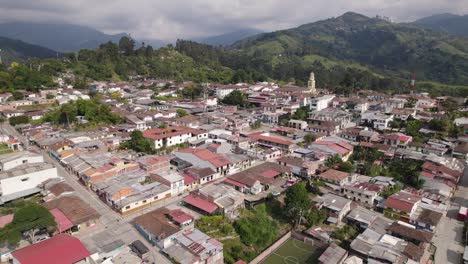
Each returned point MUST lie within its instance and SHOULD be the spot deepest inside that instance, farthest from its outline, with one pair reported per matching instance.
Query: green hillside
(386, 48)
(17, 50)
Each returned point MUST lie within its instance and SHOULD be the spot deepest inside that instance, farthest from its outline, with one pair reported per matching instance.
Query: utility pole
(1, 57)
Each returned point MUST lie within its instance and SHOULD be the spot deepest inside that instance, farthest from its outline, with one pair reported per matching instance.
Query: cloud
(168, 20)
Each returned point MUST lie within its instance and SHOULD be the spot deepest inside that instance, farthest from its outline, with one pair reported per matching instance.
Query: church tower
(311, 83)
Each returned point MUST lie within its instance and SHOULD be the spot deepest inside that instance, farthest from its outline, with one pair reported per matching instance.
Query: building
(401, 205)
(340, 148)
(363, 192)
(425, 219)
(155, 226)
(376, 120)
(194, 247)
(24, 180)
(228, 200)
(298, 166)
(172, 135)
(337, 207)
(58, 249)
(321, 102)
(333, 255)
(204, 158)
(298, 124)
(267, 140)
(18, 158)
(334, 176)
(397, 140)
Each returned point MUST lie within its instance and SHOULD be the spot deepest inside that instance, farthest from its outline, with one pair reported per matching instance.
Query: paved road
(448, 236)
(113, 229)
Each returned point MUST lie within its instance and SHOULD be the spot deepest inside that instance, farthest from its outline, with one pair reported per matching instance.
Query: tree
(316, 217)
(236, 98)
(346, 167)
(138, 143)
(411, 102)
(181, 113)
(126, 45)
(256, 228)
(302, 113)
(332, 160)
(31, 217)
(296, 202)
(50, 96)
(16, 120)
(256, 125)
(309, 138)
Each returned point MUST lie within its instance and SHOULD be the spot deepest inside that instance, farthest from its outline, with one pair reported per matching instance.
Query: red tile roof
(270, 173)
(206, 155)
(232, 182)
(56, 250)
(200, 204)
(171, 131)
(180, 216)
(333, 175)
(258, 136)
(63, 223)
(188, 179)
(341, 147)
(402, 201)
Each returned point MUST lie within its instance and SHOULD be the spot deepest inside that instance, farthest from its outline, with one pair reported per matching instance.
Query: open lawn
(294, 251)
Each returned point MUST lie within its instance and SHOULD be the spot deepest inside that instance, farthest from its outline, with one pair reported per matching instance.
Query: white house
(322, 102)
(15, 159)
(24, 181)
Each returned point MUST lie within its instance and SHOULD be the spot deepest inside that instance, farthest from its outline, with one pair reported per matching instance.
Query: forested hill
(448, 23)
(387, 48)
(17, 50)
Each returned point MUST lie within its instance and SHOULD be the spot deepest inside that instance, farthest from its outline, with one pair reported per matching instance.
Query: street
(113, 230)
(449, 234)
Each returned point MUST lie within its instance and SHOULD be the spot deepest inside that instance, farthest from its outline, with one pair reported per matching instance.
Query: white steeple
(311, 83)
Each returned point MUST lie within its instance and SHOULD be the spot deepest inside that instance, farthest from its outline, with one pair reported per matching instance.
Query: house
(333, 255)
(397, 140)
(138, 123)
(199, 175)
(363, 192)
(204, 158)
(334, 176)
(403, 113)
(298, 166)
(376, 120)
(440, 172)
(340, 148)
(80, 213)
(361, 217)
(200, 204)
(58, 249)
(270, 141)
(337, 207)
(256, 179)
(321, 102)
(425, 219)
(172, 135)
(193, 246)
(401, 205)
(298, 124)
(228, 200)
(341, 117)
(155, 225)
(12, 160)
(410, 233)
(171, 179)
(24, 180)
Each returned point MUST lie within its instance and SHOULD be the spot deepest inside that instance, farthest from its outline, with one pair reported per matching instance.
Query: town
(159, 171)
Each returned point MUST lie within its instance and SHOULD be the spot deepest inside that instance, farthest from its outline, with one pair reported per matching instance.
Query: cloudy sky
(171, 19)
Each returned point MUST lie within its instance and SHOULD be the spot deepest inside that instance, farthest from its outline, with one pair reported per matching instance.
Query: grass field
(294, 251)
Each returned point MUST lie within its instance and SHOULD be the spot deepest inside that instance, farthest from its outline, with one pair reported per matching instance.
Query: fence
(271, 249)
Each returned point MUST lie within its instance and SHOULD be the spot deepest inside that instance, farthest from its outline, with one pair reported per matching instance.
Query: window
(24, 179)
(25, 161)
(144, 201)
(127, 207)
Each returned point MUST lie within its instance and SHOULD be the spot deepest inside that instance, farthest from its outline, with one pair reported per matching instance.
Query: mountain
(371, 44)
(17, 50)
(229, 38)
(448, 23)
(60, 37)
